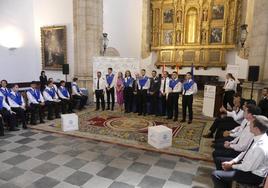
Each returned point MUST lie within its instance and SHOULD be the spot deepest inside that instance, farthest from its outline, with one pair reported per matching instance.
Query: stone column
(258, 54)
(146, 29)
(88, 27)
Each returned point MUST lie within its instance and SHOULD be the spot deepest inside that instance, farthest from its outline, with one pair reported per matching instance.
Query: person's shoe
(189, 122)
(182, 121)
(175, 119)
(58, 116)
(144, 114)
(212, 145)
(24, 127)
(97, 109)
(209, 135)
(2, 134)
(42, 121)
(103, 109)
(108, 108)
(169, 118)
(14, 129)
(139, 114)
(50, 118)
(33, 123)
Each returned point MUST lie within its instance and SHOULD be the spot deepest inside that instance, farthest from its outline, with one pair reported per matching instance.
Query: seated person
(4, 90)
(77, 94)
(51, 100)
(8, 116)
(17, 104)
(65, 98)
(263, 104)
(239, 144)
(251, 166)
(228, 120)
(54, 85)
(36, 103)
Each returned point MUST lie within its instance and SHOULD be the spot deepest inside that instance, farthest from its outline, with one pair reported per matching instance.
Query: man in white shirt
(110, 83)
(164, 92)
(36, 103)
(251, 166)
(77, 94)
(65, 98)
(17, 104)
(229, 90)
(52, 101)
(143, 86)
(174, 88)
(4, 90)
(189, 89)
(99, 91)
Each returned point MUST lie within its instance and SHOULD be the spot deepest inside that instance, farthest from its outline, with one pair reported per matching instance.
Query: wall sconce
(244, 34)
(105, 42)
(11, 38)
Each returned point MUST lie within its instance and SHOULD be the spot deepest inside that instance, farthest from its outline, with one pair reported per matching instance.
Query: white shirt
(241, 142)
(191, 91)
(102, 84)
(61, 95)
(230, 85)
(162, 85)
(256, 158)
(238, 115)
(31, 98)
(13, 104)
(146, 85)
(176, 89)
(75, 90)
(113, 81)
(47, 97)
(5, 105)
(1, 94)
(55, 87)
(237, 130)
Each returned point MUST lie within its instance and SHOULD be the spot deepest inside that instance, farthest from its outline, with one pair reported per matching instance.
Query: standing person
(17, 104)
(110, 83)
(43, 80)
(52, 101)
(174, 88)
(36, 103)
(154, 93)
(263, 104)
(4, 91)
(119, 90)
(164, 92)
(77, 94)
(99, 91)
(189, 89)
(128, 92)
(65, 98)
(135, 103)
(143, 86)
(229, 90)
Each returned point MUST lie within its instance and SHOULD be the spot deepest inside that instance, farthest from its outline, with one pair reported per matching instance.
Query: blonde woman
(119, 90)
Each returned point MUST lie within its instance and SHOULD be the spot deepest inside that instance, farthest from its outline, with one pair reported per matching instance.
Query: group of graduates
(155, 95)
(14, 105)
(240, 143)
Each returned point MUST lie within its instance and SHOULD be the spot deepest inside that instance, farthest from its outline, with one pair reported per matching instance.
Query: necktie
(241, 160)
(98, 84)
(241, 131)
(164, 89)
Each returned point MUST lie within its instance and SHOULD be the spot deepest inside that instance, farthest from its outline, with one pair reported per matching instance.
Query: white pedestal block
(160, 136)
(69, 122)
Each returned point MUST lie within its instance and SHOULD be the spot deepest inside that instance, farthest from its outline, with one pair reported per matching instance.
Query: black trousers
(154, 104)
(225, 152)
(99, 97)
(187, 102)
(219, 160)
(128, 99)
(228, 98)
(66, 105)
(36, 109)
(82, 99)
(223, 179)
(135, 104)
(52, 108)
(21, 114)
(173, 105)
(164, 105)
(9, 118)
(1, 127)
(142, 100)
(110, 94)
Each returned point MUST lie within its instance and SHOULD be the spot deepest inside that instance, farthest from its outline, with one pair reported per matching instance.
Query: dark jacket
(263, 104)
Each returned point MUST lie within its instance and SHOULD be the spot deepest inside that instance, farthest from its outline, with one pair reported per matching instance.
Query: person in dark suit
(43, 80)
(154, 93)
(263, 104)
(135, 94)
(128, 91)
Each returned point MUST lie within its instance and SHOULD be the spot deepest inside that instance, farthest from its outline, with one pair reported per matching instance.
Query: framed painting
(54, 47)
(168, 16)
(216, 35)
(218, 12)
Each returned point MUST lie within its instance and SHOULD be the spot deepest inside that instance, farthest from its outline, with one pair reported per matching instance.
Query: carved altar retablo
(194, 31)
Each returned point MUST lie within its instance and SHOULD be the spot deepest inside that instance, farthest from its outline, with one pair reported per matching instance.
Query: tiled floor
(42, 160)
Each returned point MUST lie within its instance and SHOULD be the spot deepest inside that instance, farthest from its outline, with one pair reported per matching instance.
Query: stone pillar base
(257, 90)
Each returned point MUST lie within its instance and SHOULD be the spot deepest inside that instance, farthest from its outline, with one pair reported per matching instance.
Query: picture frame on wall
(53, 47)
(216, 35)
(218, 12)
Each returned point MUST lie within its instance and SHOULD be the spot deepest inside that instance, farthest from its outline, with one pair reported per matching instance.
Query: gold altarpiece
(194, 31)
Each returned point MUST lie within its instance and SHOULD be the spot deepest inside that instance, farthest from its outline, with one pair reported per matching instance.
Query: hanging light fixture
(105, 42)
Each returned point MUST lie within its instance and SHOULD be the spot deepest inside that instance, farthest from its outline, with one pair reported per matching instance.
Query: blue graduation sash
(16, 98)
(173, 83)
(5, 93)
(1, 102)
(64, 91)
(129, 82)
(143, 81)
(51, 92)
(109, 79)
(77, 88)
(35, 93)
(187, 85)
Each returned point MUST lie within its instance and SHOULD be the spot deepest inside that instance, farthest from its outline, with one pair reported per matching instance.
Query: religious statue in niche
(178, 37)
(168, 16)
(203, 36)
(179, 16)
(216, 35)
(168, 37)
(205, 15)
(218, 12)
